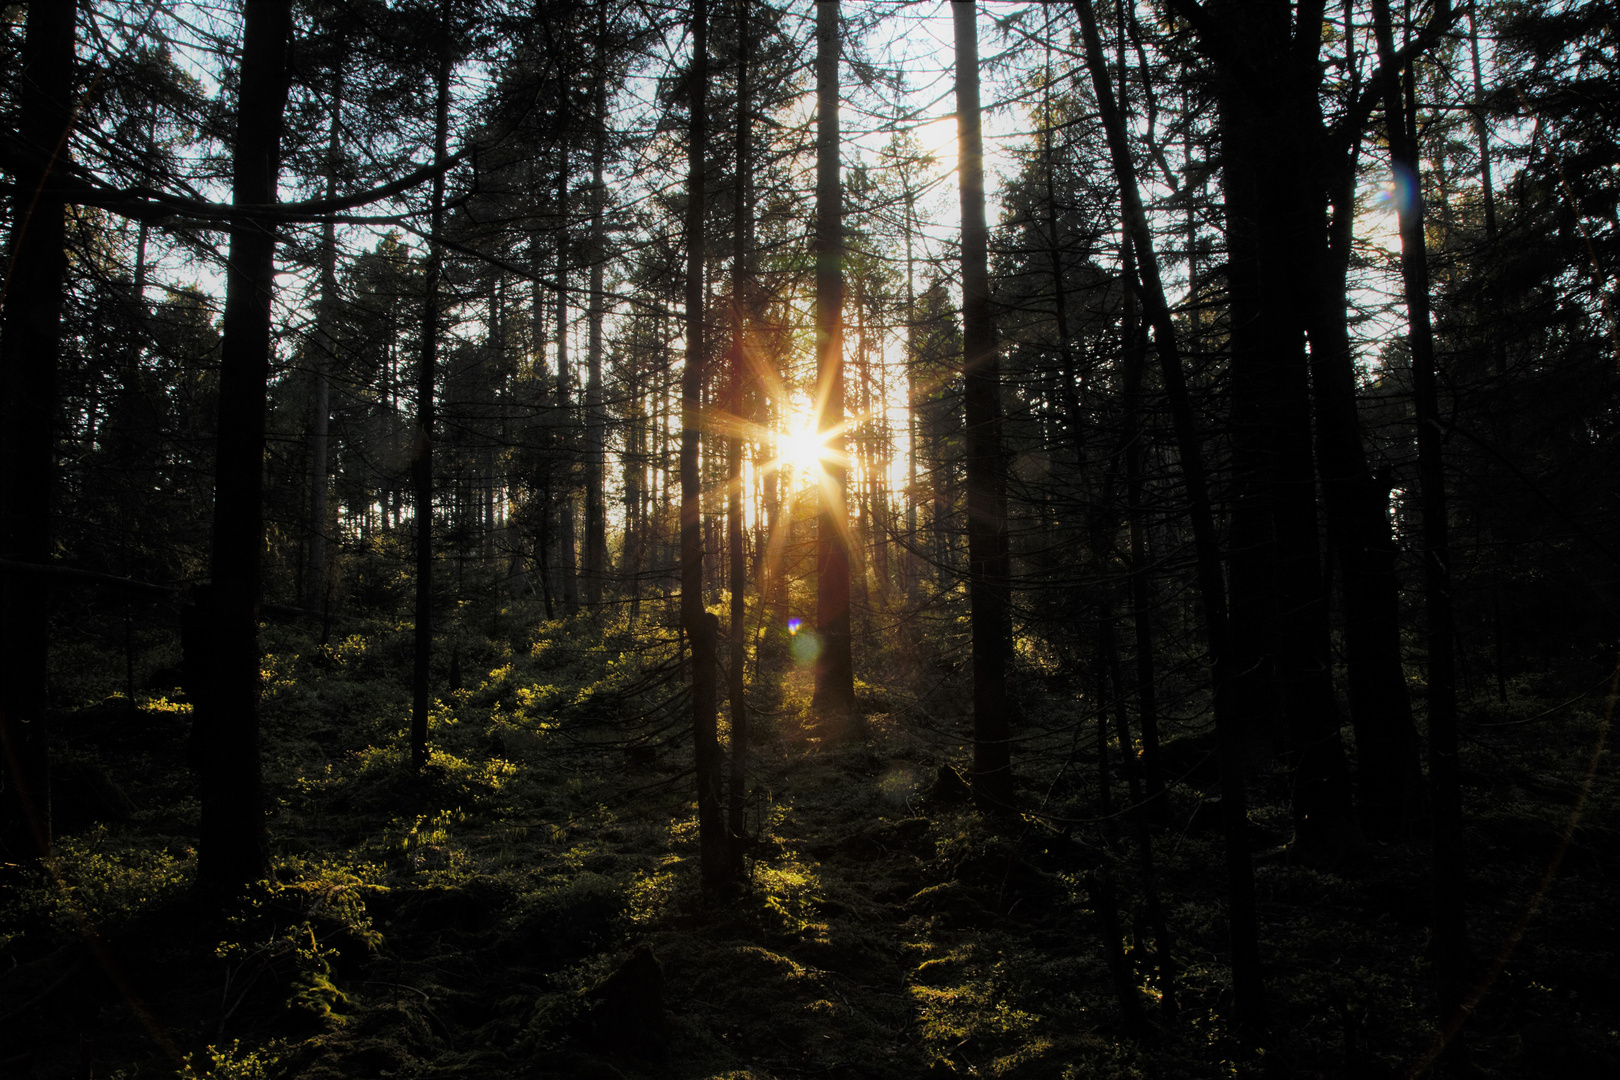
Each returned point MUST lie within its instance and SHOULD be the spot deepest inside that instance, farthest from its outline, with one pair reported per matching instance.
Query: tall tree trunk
(567, 556)
(834, 698)
(1134, 342)
(1248, 981)
(422, 457)
(1355, 509)
(1449, 930)
(699, 625)
(232, 847)
(911, 565)
(634, 462)
(988, 569)
(741, 291)
(596, 552)
(1271, 409)
(320, 410)
(1141, 581)
(30, 345)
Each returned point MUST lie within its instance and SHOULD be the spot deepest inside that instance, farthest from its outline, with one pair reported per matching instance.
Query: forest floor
(529, 905)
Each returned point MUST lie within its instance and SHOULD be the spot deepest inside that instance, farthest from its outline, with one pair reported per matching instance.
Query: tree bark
(422, 457)
(567, 552)
(232, 848)
(596, 550)
(741, 290)
(30, 345)
(699, 625)
(834, 697)
(1248, 981)
(1355, 509)
(988, 570)
(1449, 929)
(320, 411)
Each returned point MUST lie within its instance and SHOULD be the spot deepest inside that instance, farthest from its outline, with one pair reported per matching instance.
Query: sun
(801, 447)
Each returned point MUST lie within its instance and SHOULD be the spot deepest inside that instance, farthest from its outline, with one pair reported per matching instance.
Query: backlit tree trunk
(1248, 980)
(699, 626)
(567, 552)
(988, 571)
(422, 457)
(596, 551)
(320, 410)
(834, 700)
(232, 848)
(30, 332)
(741, 291)
(1449, 930)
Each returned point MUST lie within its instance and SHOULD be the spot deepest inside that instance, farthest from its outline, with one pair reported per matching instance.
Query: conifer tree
(834, 700)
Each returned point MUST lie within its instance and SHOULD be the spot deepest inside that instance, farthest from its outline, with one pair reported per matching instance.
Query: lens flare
(1397, 193)
(794, 624)
(806, 647)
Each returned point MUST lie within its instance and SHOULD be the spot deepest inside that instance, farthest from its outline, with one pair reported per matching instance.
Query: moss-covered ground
(468, 921)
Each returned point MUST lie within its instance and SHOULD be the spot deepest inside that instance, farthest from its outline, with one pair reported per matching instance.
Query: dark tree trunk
(988, 572)
(1355, 508)
(422, 457)
(1449, 934)
(596, 551)
(834, 698)
(1141, 581)
(567, 557)
(698, 624)
(741, 292)
(320, 402)
(1248, 981)
(910, 565)
(232, 847)
(30, 344)
(1279, 603)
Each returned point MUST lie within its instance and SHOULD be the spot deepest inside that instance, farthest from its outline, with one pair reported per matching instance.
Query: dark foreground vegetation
(529, 904)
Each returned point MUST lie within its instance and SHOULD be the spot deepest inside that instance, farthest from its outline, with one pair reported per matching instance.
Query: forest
(745, 540)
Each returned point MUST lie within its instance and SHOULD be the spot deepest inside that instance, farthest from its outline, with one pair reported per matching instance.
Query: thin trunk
(1163, 945)
(700, 626)
(596, 552)
(232, 847)
(1481, 131)
(1141, 579)
(1449, 930)
(1389, 787)
(567, 559)
(834, 698)
(422, 458)
(321, 395)
(30, 345)
(988, 570)
(741, 287)
(913, 571)
(1248, 981)
(1134, 341)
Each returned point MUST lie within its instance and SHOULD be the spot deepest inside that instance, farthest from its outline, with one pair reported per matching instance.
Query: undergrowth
(464, 920)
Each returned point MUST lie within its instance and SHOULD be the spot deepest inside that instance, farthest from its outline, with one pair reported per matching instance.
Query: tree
(1248, 981)
(231, 850)
(1450, 933)
(741, 295)
(30, 332)
(834, 700)
(321, 352)
(596, 550)
(697, 624)
(422, 449)
(988, 567)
